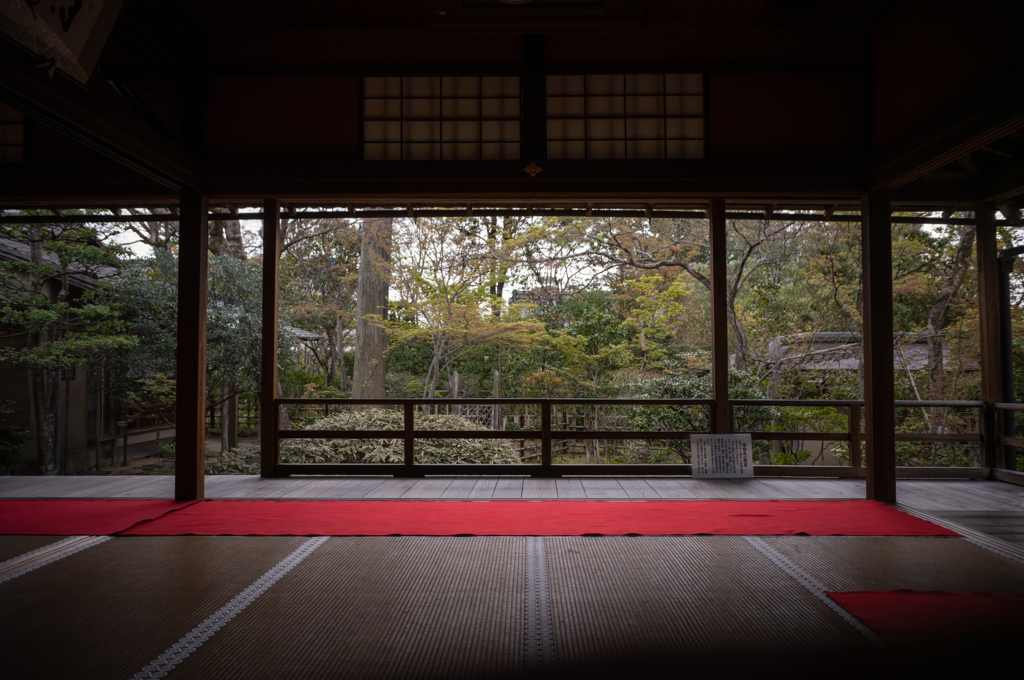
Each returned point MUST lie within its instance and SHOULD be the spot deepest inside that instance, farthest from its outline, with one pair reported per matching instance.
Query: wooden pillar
(988, 320)
(190, 407)
(721, 417)
(270, 445)
(879, 400)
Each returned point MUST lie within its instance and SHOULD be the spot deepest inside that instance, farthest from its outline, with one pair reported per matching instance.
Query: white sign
(722, 455)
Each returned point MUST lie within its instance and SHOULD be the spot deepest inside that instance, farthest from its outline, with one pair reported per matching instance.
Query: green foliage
(696, 418)
(154, 398)
(655, 315)
(234, 462)
(545, 384)
(41, 302)
(12, 439)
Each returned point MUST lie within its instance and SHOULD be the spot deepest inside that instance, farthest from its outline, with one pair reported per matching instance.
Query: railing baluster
(545, 434)
(275, 439)
(853, 418)
(410, 439)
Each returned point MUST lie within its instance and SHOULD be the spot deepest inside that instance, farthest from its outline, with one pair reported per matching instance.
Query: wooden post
(190, 408)
(409, 438)
(270, 445)
(853, 420)
(988, 318)
(545, 435)
(721, 418)
(879, 398)
(496, 408)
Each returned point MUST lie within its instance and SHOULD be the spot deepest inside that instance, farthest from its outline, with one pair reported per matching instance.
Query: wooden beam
(988, 321)
(87, 117)
(721, 418)
(879, 399)
(190, 409)
(270, 446)
(976, 120)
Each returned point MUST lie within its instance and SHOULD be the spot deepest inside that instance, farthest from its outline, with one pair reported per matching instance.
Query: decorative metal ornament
(532, 169)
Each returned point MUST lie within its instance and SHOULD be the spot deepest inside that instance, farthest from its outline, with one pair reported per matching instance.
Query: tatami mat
(107, 611)
(15, 546)
(890, 563)
(380, 607)
(439, 607)
(613, 595)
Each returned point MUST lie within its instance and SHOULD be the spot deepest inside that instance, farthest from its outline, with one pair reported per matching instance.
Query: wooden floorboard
(218, 485)
(570, 487)
(938, 496)
(484, 487)
(508, 487)
(598, 487)
(668, 487)
(638, 488)
(311, 490)
(428, 487)
(540, 488)
(365, 488)
(460, 487)
(716, 488)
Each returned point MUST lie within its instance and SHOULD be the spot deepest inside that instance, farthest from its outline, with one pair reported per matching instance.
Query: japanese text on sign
(722, 455)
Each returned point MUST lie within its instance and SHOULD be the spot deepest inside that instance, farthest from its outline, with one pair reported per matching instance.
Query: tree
(372, 298)
(956, 270)
(655, 315)
(318, 286)
(684, 243)
(51, 322)
(442, 275)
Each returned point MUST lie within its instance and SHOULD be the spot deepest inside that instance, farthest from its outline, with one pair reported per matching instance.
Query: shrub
(235, 462)
(392, 450)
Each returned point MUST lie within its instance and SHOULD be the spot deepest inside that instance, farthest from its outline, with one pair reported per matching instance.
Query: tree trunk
(775, 381)
(496, 408)
(43, 395)
(937, 319)
(739, 336)
(224, 417)
(371, 299)
(44, 421)
(286, 421)
(232, 415)
(226, 236)
(342, 371)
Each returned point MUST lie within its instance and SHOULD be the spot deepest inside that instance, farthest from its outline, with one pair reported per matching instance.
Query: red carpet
(538, 518)
(70, 517)
(912, 616)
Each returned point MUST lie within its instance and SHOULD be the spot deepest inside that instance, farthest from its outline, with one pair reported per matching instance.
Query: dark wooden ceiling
(233, 16)
(810, 101)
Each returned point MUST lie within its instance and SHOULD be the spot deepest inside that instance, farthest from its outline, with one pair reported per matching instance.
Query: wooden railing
(1008, 440)
(546, 434)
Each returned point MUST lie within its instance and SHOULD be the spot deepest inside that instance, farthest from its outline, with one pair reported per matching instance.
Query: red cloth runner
(539, 518)
(917, 616)
(88, 516)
